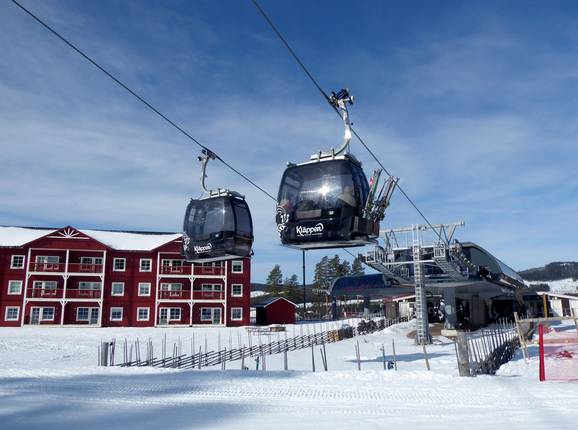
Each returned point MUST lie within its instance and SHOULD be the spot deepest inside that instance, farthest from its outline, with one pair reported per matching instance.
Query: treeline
(552, 272)
(326, 271)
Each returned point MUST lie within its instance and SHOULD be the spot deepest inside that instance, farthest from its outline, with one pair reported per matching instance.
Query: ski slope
(48, 379)
(561, 286)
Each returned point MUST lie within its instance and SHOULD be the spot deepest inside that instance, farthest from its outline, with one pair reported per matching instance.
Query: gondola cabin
(321, 204)
(218, 227)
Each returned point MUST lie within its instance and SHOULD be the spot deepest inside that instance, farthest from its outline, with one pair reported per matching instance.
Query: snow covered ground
(561, 286)
(258, 293)
(48, 379)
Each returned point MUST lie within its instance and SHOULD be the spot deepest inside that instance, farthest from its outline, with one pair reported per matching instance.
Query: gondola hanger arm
(204, 158)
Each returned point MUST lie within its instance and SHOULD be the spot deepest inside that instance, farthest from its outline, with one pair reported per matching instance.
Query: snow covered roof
(18, 236)
(131, 241)
(120, 240)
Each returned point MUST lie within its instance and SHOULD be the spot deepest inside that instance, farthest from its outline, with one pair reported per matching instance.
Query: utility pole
(304, 293)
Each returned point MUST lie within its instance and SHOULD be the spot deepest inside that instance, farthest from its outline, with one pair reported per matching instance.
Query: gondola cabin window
(319, 190)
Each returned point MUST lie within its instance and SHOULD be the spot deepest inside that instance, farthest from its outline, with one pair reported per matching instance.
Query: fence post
(541, 349)
(313, 357)
(573, 312)
(462, 356)
(358, 354)
(394, 356)
(426, 357)
(104, 353)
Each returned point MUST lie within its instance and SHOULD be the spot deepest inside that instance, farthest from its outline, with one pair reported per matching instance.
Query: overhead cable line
(139, 97)
(148, 104)
(316, 83)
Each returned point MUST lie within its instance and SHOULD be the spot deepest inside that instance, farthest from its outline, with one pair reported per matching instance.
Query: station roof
(374, 285)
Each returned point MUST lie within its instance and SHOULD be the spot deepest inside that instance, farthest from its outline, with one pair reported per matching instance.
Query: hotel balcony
(73, 268)
(186, 295)
(58, 293)
(188, 271)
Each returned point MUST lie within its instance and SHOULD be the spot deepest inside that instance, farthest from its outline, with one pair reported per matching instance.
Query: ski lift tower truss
(418, 246)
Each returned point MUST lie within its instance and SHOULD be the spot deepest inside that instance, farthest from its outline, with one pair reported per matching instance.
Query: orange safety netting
(558, 355)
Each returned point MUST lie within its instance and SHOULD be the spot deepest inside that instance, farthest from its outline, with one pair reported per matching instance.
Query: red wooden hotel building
(72, 276)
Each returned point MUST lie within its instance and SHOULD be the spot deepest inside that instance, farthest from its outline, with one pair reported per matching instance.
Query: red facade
(115, 279)
(275, 311)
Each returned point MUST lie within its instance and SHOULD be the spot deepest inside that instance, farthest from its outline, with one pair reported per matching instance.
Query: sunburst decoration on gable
(68, 233)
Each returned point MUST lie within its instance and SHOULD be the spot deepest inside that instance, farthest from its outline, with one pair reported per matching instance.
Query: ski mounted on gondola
(327, 202)
(218, 226)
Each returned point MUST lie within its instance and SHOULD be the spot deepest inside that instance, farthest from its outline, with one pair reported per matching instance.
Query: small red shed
(275, 310)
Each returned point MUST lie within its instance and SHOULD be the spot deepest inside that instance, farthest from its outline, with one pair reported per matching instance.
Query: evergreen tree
(357, 268)
(274, 280)
(334, 270)
(321, 273)
(344, 269)
(292, 289)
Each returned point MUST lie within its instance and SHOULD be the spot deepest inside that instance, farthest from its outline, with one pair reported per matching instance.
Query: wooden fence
(484, 351)
(131, 353)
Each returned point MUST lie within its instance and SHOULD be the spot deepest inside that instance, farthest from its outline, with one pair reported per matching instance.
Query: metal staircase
(379, 259)
(444, 258)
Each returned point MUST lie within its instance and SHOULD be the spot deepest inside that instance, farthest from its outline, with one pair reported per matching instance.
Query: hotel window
(175, 314)
(82, 314)
(119, 264)
(143, 314)
(89, 285)
(118, 288)
(237, 290)
(146, 265)
(46, 285)
(12, 313)
(144, 288)
(236, 314)
(172, 263)
(47, 314)
(97, 261)
(47, 259)
(172, 266)
(206, 314)
(14, 287)
(116, 314)
(211, 288)
(175, 287)
(17, 262)
(237, 266)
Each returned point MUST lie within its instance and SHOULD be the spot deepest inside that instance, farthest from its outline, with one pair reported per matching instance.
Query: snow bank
(48, 379)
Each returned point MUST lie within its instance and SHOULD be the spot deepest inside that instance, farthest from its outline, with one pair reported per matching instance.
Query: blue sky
(472, 104)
